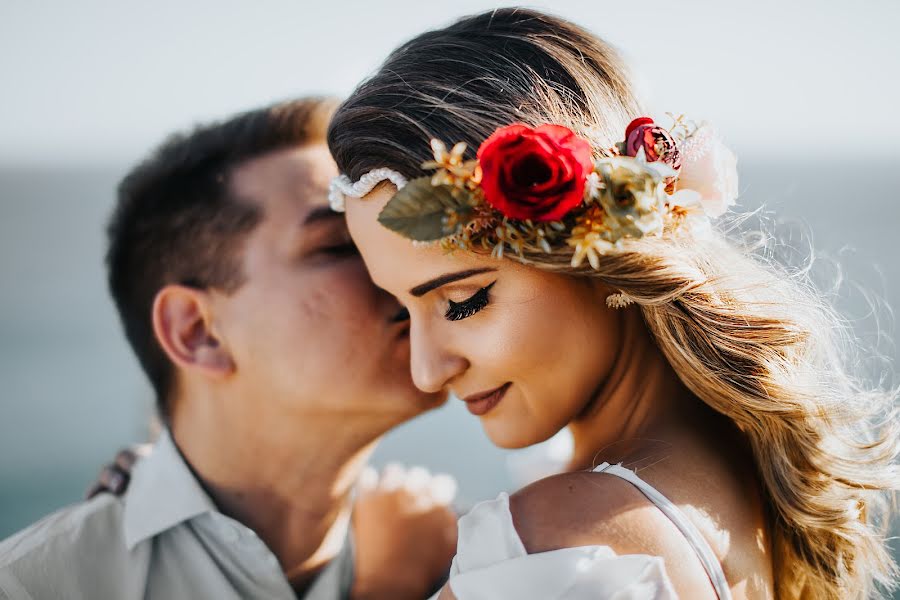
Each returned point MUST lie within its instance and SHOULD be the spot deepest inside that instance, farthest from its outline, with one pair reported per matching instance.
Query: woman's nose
(433, 364)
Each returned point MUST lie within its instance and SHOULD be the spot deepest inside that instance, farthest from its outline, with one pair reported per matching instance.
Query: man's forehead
(296, 176)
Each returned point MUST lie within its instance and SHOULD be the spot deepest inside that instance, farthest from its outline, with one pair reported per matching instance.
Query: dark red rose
(536, 174)
(637, 123)
(658, 144)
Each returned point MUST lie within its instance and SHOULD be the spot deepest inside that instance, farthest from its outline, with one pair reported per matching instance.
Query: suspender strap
(701, 547)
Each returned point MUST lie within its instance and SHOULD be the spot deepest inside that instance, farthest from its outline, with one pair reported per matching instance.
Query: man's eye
(457, 311)
(401, 315)
(340, 250)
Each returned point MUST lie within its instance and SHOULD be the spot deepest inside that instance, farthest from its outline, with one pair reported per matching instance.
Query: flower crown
(539, 189)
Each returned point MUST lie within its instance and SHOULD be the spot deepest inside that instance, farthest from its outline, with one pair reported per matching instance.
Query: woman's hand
(405, 533)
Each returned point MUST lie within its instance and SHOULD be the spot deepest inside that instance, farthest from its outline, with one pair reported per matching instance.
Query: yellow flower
(451, 169)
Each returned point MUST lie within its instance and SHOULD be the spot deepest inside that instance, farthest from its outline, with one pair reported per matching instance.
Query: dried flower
(658, 144)
(633, 196)
(710, 169)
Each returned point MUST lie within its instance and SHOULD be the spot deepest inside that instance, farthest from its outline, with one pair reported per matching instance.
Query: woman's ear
(183, 326)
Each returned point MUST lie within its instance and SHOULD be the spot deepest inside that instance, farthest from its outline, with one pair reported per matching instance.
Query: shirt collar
(162, 494)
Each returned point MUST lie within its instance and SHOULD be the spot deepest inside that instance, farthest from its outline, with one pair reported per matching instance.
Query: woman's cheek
(520, 338)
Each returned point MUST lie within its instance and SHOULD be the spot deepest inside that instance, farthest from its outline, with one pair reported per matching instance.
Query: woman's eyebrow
(421, 290)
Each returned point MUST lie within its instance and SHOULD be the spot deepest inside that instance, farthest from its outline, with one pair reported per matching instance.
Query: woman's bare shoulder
(588, 509)
(582, 508)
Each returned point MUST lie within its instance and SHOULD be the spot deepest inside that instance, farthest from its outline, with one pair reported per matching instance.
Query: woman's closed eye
(457, 311)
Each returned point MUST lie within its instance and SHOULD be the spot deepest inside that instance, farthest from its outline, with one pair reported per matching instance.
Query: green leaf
(419, 210)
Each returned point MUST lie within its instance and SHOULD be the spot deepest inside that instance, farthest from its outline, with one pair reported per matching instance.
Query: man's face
(308, 331)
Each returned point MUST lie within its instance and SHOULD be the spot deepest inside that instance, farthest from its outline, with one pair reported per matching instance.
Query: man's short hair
(176, 220)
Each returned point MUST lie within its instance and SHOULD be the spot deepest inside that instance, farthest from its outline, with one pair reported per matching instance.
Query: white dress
(491, 562)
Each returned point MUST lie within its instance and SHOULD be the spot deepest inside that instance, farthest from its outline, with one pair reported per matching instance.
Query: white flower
(593, 186)
(709, 168)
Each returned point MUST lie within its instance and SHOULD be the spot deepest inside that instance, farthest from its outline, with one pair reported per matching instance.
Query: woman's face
(525, 348)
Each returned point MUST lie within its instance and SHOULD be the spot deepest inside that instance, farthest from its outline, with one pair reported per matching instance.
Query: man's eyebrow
(321, 213)
(421, 290)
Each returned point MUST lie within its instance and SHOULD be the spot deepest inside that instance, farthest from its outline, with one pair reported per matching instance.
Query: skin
(284, 386)
(572, 362)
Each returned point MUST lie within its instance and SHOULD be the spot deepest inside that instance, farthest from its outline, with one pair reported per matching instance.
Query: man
(277, 365)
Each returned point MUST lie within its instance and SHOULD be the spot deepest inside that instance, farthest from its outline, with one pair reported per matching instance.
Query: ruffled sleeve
(491, 563)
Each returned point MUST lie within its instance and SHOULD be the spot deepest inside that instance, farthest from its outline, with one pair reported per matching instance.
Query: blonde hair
(761, 346)
(753, 340)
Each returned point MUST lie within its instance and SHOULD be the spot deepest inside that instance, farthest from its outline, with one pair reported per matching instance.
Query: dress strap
(695, 539)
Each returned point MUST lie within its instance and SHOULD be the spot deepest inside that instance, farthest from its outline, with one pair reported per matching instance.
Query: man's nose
(433, 364)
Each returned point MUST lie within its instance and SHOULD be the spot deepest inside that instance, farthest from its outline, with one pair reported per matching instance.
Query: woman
(567, 276)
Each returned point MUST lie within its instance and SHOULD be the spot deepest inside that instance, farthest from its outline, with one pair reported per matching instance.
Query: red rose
(658, 144)
(536, 174)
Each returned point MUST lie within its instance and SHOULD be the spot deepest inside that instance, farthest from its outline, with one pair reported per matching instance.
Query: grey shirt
(164, 539)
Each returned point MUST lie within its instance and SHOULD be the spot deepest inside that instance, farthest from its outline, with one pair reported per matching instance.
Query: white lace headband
(341, 187)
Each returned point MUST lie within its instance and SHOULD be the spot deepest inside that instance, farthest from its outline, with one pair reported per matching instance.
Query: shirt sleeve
(11, 588)
(491, 562)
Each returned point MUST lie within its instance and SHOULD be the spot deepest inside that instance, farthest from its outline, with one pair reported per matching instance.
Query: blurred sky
(93, 81)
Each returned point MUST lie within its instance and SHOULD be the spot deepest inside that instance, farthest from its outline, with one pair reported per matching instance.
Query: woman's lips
(479, 404)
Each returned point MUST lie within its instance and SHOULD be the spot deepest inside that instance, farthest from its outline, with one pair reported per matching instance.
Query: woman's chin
(511, 437)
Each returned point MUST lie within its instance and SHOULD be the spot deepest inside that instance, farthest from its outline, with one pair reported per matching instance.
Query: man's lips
(479, 404)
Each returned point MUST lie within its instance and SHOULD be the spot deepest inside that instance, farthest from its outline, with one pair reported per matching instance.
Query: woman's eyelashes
(457, 311)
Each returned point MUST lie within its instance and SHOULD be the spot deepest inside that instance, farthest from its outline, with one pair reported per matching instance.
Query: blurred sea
(71, 393)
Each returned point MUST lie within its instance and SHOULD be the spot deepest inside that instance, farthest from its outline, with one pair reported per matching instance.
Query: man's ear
(182, 323)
